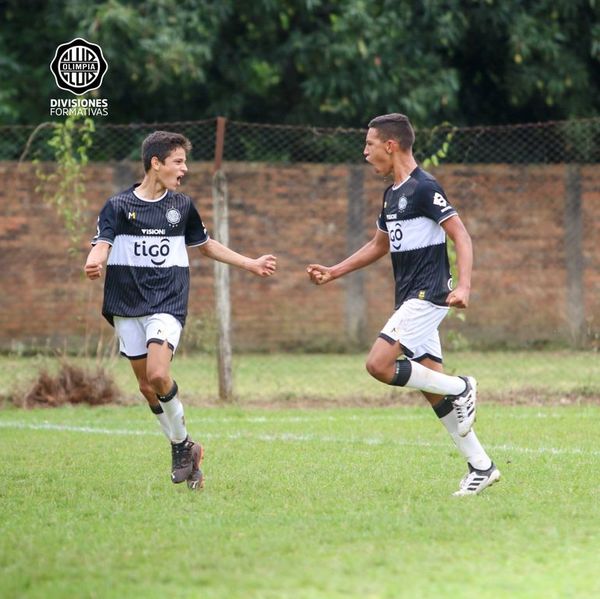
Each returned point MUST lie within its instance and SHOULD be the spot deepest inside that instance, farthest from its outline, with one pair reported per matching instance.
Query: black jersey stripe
(144, 291)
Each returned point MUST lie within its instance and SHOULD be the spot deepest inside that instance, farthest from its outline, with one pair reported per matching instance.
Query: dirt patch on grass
(71, 385)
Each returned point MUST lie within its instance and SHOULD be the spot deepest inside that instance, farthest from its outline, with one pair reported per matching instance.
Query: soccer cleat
(464, 405)
(476, 481)
(182, 463)
(195, 480)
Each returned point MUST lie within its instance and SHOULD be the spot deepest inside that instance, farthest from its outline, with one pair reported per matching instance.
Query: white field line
(296, 438)
(424, 415)
(316, 417)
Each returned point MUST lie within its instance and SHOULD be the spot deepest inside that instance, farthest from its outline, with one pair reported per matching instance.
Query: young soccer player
(142, 235)
(413, 224)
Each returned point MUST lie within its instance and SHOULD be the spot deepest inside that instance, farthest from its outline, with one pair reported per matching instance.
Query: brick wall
(515, 214)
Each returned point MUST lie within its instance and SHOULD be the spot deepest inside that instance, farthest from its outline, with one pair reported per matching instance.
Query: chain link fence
(529, 195)
(576, 141)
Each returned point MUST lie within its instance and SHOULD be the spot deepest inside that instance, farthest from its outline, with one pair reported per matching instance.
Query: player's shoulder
(425, 180)
(427, 185)
(125, 195)
(387, 190)
(178, 196)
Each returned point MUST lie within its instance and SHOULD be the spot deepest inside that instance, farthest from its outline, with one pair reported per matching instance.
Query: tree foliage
(63, 188)
(323, 62)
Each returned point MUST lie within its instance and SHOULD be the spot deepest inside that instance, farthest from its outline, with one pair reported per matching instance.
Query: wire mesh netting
(541, 143)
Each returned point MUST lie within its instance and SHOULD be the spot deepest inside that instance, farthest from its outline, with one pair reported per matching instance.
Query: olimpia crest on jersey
(173, 216)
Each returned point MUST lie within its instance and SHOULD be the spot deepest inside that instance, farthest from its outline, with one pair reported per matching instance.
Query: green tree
(529, 61)
(323, 62)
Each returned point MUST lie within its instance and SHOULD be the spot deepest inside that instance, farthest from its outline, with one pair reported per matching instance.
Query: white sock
(425, 379)
(469, 445)
(163, 420)
(173, 409)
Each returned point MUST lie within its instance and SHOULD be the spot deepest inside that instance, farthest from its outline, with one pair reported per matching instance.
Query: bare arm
(264, 266)
(367, 254)
(455, 229)
(96, 259)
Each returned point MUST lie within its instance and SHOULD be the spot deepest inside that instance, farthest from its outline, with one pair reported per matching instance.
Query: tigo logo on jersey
(154, 251)
(395, 233)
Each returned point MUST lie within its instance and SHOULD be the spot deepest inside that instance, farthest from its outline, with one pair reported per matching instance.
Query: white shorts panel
(135, 333)
(415, 325)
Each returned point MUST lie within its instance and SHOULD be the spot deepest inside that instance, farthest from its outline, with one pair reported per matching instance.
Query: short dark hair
(161, 144)
(395, 126)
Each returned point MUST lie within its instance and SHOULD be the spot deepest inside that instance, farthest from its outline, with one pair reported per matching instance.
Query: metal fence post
(355, 301)
(574, 255)
(222, 297)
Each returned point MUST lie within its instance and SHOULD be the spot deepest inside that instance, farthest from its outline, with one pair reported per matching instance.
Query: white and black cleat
(465, 406)
(475, 481)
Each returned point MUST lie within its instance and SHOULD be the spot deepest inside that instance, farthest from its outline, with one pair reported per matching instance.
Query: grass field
(337, 502)
(298, 503)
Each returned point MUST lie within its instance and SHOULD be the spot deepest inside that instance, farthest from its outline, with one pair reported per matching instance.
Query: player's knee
(158, 380)
(376, 368)
(146, 389)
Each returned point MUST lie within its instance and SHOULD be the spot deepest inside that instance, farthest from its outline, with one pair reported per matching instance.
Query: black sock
(170, 395)
(402, 373)
(444, 407)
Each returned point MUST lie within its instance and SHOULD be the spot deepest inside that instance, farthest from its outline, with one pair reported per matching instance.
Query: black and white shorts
(135, 334)
(415, 325)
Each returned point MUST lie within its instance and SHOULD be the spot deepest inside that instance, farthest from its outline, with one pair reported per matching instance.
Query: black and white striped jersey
(411, 216)
(148, 268)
